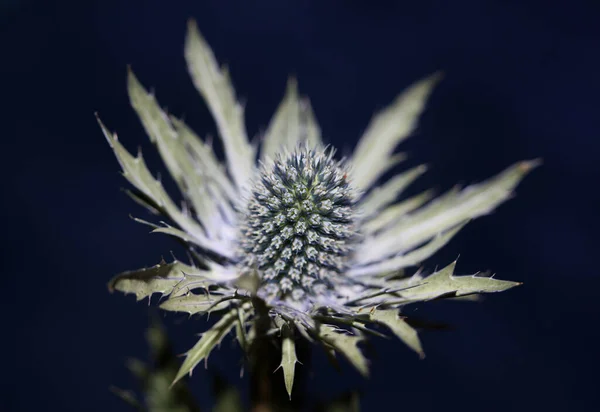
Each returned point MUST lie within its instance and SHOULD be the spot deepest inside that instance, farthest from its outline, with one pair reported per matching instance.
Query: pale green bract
(365, 282)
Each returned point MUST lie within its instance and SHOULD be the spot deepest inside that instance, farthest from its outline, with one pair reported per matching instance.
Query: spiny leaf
(194, 303)
(288, 358)
(400, 328)
(207, 342)
(201, 279)
(346, 344)
(444, 283)
(161, 278)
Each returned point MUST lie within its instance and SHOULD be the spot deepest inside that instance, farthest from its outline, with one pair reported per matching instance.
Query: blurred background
(521, 81)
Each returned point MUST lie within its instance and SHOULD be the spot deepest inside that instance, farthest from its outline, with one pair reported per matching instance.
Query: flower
(312, 243)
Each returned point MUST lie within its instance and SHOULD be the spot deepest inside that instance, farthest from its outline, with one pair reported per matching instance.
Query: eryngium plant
(284, 231)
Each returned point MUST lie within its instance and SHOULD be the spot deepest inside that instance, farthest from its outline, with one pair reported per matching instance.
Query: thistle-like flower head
(288, 232)
(299, 226)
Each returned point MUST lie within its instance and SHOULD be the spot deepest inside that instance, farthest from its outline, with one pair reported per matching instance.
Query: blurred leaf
(346, 403)
(346, 344)
(207, 342)
(241, 333)
(249, 282)
(227, 397)
(400, 328)
(128, 397)
(155, 378)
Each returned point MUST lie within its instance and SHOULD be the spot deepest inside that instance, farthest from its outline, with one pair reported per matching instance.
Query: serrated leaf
(373, 154)
(194, 303)
(443, 282)
(345, 344)
(446, 212)
(207, 342)
(400, 328)
(161, 278)
(201, 279)
(214, 85)
(227, 397)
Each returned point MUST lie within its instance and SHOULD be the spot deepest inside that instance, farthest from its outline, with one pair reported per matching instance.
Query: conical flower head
(288, 232)
(299, 224)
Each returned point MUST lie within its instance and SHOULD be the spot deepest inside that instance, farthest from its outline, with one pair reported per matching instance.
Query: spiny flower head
(299, 225)
(287, 233)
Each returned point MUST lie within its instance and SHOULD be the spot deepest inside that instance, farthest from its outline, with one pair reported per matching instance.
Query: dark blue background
(522, 81)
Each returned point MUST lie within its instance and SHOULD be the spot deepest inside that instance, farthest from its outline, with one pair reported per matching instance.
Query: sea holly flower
(285, 232)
